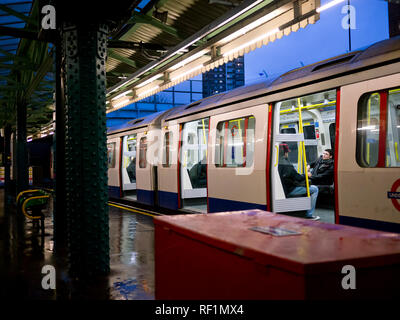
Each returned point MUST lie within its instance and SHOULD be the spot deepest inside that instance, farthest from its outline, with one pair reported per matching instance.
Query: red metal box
(217, 256)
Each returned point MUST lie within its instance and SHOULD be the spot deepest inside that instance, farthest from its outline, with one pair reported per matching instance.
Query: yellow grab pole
(303, 149)
(204, 135)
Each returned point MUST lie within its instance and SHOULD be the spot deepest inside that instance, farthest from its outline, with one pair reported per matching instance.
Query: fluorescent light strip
(250, 27)
(121, 103)
(148, 91)
(149, 80)
(190, 59)
(187, 72)
(329, 5)
(121, 95)
(251, 42)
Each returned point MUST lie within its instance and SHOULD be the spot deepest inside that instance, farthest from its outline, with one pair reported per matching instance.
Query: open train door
(296, 146)
(146, 170)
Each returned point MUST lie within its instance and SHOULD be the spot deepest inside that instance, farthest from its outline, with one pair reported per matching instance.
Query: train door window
(368, 130)
(235, 143)
(111, 155)
(393, 129)
(291, 128)
(193, 169)
(310, 142)
(129, 162)
(332, 134)
(143, 153)
(167, 153)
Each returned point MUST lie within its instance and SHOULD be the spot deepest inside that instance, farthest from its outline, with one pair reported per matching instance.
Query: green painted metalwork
(86, 189)
(147, 19)
(114, 55)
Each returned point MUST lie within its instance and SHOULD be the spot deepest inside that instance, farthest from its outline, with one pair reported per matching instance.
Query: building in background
(224, 78)
(181, 94)
(394, 19)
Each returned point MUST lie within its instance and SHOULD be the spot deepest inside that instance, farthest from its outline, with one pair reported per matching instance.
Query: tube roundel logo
(394, 195)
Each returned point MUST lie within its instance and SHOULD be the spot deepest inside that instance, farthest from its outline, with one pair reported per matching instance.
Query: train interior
(369, 127)
(307, 126)
(193, 160)
(129, 145)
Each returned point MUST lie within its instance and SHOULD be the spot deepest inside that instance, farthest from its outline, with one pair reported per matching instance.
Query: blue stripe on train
(370, 224)
(145, 196)
(168, 200)
(114, 192)
(221, 205)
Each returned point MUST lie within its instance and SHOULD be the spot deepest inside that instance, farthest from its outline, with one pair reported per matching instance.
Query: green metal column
(22, 155)
(60, 222)
(86, 187)
(7, 162)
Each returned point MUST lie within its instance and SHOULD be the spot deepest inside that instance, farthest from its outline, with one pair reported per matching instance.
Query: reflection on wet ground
(131, 255)
(23, 253)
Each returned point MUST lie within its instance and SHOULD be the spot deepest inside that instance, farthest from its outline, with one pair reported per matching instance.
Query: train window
(393, 129)
(167, 153)
(316, 111)
(142, 153)
(235, 143)
(111, 155)
(368, 130)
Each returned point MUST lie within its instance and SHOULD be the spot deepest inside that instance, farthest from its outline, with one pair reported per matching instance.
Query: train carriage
(221, 153)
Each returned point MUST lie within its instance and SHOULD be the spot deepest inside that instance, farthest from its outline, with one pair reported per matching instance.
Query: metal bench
(31, 204)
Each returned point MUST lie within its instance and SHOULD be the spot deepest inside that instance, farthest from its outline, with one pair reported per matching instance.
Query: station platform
(23, 253)
(174, 257)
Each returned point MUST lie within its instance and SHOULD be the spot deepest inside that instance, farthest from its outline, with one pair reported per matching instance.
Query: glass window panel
(111, 155)
(164, 97)
(231, 137)
(183, 98)
(197, 96)
(183, 86)
(167, 153)
(129, 158)
(368, 130)
(393, 129)
(142, 153)
(197, 86)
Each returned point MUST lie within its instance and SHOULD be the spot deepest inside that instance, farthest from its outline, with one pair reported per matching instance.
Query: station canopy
(177, 40)
(159, 44)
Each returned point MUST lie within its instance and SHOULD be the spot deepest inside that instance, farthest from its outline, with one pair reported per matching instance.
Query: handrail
(25, 191)
(303, 148)
(24, 205)
(312, 106)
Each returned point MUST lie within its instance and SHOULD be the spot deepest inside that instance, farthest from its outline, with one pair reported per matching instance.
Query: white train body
(350, 104)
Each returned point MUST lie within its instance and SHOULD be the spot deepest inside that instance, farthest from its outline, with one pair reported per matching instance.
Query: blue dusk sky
(324, 39)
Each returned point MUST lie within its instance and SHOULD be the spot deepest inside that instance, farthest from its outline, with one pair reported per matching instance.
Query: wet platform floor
(23, 253)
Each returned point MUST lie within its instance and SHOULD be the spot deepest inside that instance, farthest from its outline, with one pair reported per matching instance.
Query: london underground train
(222, 153)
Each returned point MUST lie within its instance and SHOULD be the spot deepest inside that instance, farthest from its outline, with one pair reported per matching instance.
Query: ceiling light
(147, 91)
(149, 80)
(121, 95)
(121, 103)
(187, 72)
(329, 5)
(251, 42)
